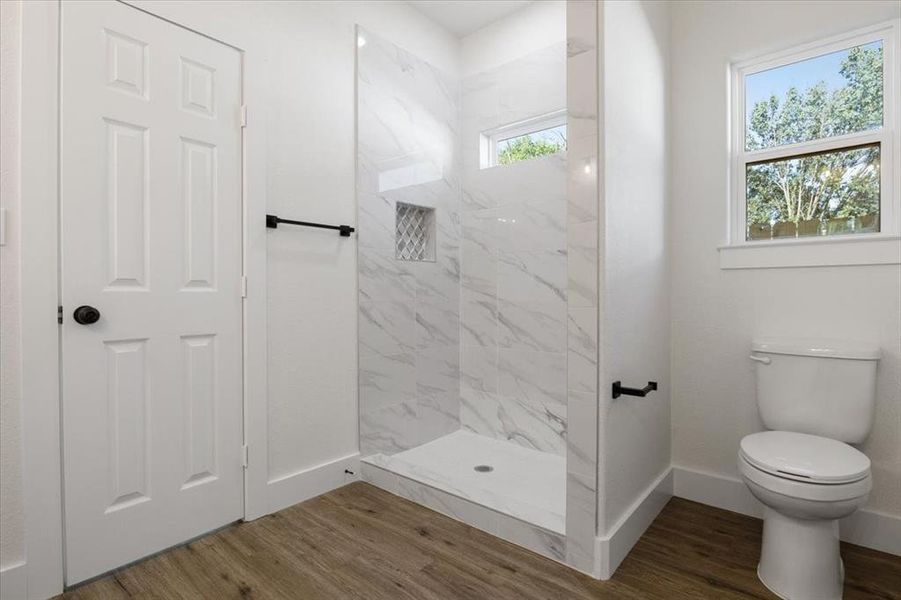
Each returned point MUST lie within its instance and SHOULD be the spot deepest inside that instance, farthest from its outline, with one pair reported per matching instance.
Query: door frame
(40, 290)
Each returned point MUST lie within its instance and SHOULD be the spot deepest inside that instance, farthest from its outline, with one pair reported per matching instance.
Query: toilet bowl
(806, 484)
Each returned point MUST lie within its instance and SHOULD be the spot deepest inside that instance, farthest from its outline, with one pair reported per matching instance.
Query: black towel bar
(272, 222)
(619, 390)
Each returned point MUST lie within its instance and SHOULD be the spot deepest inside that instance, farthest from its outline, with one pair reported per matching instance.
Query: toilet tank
(824, 388)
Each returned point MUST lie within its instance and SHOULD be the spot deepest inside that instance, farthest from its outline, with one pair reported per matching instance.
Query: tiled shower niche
(414, 233)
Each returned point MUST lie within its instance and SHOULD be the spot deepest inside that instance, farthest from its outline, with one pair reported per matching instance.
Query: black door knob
(86, 315)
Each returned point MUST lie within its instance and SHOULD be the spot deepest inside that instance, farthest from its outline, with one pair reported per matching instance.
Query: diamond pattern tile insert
(413, 232)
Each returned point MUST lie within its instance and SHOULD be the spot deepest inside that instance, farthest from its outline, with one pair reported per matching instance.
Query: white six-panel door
(151, 237)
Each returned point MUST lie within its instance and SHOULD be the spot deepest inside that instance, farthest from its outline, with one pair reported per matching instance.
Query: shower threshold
(503, 476)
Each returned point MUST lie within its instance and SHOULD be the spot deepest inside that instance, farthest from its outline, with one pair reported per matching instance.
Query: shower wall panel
(409, 317)
(514, 287)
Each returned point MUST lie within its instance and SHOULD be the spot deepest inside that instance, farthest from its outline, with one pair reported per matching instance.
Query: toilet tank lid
(825, 348)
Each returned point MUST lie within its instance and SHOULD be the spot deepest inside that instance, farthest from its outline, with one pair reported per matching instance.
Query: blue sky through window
(801, 75)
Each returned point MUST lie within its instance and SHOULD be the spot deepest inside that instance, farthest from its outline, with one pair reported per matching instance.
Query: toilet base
(800, 559)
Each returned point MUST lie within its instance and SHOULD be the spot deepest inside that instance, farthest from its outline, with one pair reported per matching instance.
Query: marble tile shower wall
(584, 284)
(409, 317)
(514, 262)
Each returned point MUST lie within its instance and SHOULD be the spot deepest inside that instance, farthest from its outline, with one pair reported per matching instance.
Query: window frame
(886, 136)
(491, 138)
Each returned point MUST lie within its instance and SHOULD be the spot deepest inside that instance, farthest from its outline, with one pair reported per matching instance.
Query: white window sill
(845, 251)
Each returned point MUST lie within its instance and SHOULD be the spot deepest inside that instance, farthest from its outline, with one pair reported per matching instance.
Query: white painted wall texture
(12, 544)
(716, 313)
(635, 201)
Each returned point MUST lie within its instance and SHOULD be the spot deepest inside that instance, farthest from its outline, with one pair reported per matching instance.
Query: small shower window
(524, 140)
(414, 232)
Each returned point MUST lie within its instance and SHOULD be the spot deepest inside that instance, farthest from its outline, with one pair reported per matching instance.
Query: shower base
(505, 489)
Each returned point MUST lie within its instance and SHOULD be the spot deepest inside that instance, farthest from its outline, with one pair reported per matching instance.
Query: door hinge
(243, 115)
(243, 286)
(244, 456)
(59, 315)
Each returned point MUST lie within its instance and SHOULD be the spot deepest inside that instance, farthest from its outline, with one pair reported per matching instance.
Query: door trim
(40, 290)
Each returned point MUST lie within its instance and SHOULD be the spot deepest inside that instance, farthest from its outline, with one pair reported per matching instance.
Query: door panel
(151, 237)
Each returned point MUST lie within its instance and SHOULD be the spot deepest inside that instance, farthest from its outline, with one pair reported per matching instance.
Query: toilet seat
(804, 491)
(805, 458)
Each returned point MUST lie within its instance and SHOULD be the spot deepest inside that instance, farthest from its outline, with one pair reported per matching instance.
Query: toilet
(814, 398)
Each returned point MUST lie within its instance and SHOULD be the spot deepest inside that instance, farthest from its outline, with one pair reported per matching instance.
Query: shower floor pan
(508, 478)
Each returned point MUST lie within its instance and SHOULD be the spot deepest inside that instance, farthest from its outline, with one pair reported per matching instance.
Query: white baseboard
(867, 528)
(14, 582)
(611, 549)
(290, 489)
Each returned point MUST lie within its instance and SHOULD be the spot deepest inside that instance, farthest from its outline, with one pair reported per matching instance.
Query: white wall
(635, 198)
(12, 544)
(307, 109)
(716, 313)
(536, 26)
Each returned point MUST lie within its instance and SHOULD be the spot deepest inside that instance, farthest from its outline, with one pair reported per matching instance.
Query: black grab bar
(619, 390)
(272, 222)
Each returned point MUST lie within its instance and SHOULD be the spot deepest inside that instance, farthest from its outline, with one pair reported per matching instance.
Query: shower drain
(484, 468)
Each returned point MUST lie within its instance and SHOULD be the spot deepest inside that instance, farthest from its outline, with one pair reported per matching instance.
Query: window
(524, 140)
(813, 134)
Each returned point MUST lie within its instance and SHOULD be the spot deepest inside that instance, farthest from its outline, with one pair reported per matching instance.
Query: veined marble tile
(438, 415)
(533, 180)
(384, 278)
(581, 521)
(583, 264)
(531, 276)
(479, 100)
(479, 412)
(437, 324)
(376, 475)
(479, 368)
(533, 424)
(480, 228)
(478, 321)
(582, 108)
(375, 221)
(401, 139)
(544, 542)
(387, 328)
(439, 281)
(536, 224)
(476, 198)
(386, 380)
(540, 327)
(447, 504)
(390, 66)
(582, 448)
(582, 339)
(534, 84)
(479, 267)
(536, 377)
(438, 371)
(582, 183)
(389, 429)
(442, 193)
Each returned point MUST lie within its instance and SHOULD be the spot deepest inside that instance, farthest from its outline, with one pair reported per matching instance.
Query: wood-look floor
(359, 542)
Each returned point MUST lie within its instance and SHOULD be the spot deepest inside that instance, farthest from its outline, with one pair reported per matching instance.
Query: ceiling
(462, 17)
